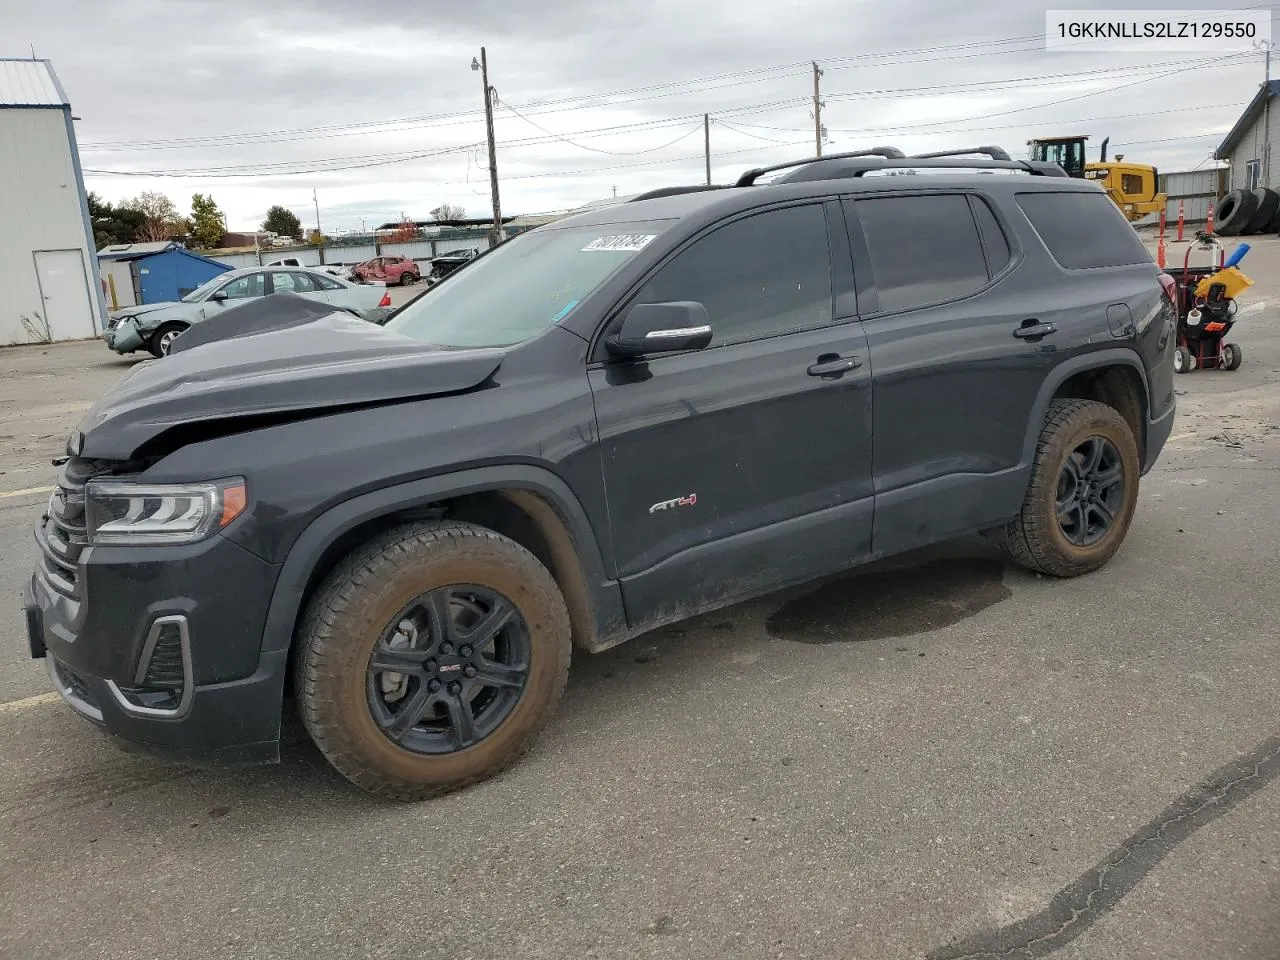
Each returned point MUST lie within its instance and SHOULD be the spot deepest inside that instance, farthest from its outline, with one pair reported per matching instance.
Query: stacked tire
(1246, 212)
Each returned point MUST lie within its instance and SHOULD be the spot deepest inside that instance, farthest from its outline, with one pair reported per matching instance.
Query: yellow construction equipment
(1133, 187)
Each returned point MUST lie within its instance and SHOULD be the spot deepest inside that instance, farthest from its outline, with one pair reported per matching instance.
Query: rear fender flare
(324, 530)
(1068, 369)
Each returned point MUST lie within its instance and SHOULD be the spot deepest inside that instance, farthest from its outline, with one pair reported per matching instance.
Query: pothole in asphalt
(892, 603)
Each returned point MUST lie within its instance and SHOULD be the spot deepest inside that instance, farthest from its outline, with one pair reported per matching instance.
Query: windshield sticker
(563, 313)
(624, 241)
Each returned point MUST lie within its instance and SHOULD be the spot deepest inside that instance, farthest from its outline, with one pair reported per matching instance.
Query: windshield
(202, 291)
(519, 290)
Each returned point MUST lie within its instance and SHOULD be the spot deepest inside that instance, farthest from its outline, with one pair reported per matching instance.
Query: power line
(375, 160)
(583, 146)
(749, 75)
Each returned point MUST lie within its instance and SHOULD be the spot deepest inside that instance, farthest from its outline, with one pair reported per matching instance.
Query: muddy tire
(1083, 491)
(478, 635)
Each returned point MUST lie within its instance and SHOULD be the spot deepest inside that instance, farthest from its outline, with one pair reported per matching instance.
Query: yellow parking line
(6, 494)
(17, 706)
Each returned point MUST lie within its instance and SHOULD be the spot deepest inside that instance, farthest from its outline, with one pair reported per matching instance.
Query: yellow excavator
(1133, 187)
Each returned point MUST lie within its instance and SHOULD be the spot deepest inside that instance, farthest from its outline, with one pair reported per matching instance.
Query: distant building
(49, 287)
(1248, 146)
(137, 273)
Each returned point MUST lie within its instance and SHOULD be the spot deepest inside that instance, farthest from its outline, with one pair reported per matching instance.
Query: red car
(389, 270)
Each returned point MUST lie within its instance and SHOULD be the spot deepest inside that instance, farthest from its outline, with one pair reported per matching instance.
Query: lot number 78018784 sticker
(626, 241)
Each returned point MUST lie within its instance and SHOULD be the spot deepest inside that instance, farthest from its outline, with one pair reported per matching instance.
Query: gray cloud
(146, 70)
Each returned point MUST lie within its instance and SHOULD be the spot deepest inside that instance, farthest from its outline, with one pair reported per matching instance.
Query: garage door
(64, 288)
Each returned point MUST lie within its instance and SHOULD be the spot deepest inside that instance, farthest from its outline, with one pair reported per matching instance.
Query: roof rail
(995, 153)
(675, 191)
(750, 177)
(857, 167)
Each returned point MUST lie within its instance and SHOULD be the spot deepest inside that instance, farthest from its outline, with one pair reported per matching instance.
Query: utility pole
(1266, 48)
(706, 141)
(319, 233)
(495, 235)
(817, 107)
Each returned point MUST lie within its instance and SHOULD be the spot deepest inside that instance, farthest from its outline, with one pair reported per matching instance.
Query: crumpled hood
(330, 362)
(143, 308)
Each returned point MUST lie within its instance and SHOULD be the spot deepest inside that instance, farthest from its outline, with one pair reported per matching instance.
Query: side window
(924, 249)
(302, 282)
(1083, 230)
(763, 275)
(251, 285)
(993, 238)
(1130, 183)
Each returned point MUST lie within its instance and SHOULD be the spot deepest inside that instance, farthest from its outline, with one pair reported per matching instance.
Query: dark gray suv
(611, 423)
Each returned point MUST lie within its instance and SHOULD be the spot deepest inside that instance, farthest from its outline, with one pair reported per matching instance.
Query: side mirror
(661, 328)
(218, 296)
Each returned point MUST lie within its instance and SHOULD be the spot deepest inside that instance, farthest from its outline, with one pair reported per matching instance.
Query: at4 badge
(688, 501)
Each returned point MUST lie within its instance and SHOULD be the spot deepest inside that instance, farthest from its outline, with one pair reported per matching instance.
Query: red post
(1180, 218)
(1160, 246)
(1209, 228)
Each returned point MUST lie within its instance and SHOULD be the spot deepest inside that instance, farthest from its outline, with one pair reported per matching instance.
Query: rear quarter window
(1083, 231)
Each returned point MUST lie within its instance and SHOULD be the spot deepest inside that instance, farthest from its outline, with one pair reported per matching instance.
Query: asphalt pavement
(944, 757)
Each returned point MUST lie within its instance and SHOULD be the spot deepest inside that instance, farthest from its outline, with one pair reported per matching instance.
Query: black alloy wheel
(449, 669)
(1091, 491)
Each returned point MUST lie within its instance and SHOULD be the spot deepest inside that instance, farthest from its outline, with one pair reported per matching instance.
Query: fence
(1195, 190)
(337, 252)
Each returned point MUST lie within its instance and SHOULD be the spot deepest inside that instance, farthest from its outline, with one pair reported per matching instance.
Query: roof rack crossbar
(750, 177)
(995, 153)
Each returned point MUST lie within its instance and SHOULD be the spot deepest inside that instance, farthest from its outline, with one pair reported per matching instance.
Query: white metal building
(1248, 146)
(49, 286)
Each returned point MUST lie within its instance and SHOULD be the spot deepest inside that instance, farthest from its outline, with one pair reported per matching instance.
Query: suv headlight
(137, 514)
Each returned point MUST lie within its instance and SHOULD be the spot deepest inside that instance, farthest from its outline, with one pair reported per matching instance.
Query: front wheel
(430, 659)
(161, 341)
(1232, 356)
(1083, 491)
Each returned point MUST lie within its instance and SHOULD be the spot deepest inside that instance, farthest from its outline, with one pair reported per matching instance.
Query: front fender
(286, 602)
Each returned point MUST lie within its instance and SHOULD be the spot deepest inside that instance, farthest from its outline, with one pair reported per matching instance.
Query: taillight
(1170, 288)
(385, 301)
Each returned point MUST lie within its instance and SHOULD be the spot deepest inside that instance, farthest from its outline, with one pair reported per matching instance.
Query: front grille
(165, 668)
(61, 533)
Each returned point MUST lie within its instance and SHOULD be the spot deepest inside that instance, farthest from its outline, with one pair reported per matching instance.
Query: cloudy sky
(374, 105)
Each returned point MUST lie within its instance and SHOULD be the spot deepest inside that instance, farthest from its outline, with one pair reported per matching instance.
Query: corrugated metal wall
(1194, 190)
(40, 211)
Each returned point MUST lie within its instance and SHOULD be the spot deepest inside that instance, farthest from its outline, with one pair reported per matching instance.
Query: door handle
(833, 365)
(1034, 330)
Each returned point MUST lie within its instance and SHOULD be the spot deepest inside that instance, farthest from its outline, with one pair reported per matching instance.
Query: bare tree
(448, 211)
(161, 219)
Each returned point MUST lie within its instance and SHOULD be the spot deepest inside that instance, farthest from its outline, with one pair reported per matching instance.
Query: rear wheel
(162, 340)
(1232, 356)
(1083, 491)
(430, 659)
(408, 279)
